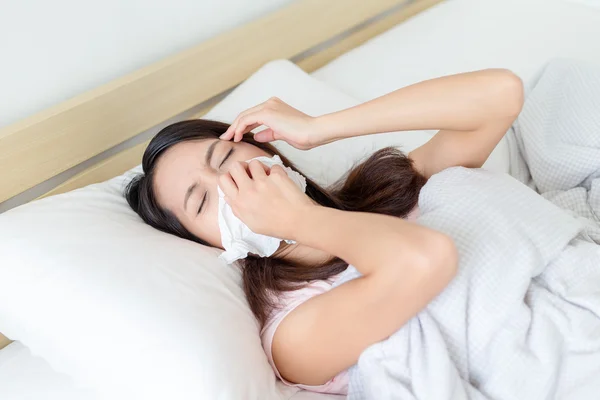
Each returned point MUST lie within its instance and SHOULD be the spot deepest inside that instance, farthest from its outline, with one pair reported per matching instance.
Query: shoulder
(286, 302)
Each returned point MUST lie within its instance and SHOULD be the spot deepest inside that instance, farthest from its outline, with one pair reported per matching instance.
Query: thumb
(266, 135)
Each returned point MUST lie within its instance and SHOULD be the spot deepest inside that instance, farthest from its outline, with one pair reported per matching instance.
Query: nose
(212, 178)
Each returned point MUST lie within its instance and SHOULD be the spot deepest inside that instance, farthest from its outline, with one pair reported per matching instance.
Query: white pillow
(26, 377)
(136, 313)
(325, 164)
(464, 35)
(124, 308)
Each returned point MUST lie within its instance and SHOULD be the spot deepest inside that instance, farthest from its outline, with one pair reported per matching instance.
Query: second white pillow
(324, 164)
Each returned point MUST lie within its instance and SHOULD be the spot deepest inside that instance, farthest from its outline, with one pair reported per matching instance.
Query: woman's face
(186, 178)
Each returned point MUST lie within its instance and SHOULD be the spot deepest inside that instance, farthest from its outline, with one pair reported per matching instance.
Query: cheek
(206, 227)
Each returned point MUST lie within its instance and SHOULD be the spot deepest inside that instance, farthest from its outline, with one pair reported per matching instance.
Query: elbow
(427, 272)
(440, 257)
(511, 91)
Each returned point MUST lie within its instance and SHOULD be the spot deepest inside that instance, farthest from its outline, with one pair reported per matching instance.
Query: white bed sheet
(461, 35)
(455, 36)
(24, 376)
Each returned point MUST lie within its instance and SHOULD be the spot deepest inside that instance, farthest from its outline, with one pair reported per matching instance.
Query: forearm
(404, 266)
(368, 241)
(461, 102)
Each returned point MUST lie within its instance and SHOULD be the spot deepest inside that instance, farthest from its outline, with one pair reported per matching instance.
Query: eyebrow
(210, 151)
(207, 160)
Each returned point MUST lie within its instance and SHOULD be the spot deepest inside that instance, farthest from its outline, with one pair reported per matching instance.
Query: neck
(302, 254)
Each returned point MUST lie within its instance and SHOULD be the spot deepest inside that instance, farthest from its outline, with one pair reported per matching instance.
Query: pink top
(288, 302)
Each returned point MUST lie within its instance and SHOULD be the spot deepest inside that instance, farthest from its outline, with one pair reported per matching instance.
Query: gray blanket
(521, 320)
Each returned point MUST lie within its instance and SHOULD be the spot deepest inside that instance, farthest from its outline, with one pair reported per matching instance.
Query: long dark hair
(386, 183)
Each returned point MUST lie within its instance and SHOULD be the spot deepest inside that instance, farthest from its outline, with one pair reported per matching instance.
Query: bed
(355, 52)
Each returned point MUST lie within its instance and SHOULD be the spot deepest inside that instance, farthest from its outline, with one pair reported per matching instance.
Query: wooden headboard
(309, 32)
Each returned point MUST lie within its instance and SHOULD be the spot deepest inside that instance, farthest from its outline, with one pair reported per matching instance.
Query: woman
(312, 333)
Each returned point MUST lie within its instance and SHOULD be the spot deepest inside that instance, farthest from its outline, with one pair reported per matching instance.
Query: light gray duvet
(521, 320)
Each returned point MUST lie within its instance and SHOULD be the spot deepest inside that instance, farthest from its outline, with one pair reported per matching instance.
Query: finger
(235, 125)
(277, 170)
(249, 128)
(254, 119)
(258, 170)
(265, 136)
(240, 127)
(228, 186)
(240, 175)
(229, 133)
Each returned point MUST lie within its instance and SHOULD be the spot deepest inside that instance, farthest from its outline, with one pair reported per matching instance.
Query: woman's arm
(472, 110)
(404, 266)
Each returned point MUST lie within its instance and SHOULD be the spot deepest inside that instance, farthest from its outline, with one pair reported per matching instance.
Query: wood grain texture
(4, 341)
(320, 59)
(109, 167)
(52, 141)
(104, 170)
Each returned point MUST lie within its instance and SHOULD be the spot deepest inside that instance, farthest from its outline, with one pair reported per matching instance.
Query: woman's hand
(283, 122)
(268, 201)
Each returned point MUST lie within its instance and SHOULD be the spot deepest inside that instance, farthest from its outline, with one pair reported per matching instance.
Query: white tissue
(237, 239)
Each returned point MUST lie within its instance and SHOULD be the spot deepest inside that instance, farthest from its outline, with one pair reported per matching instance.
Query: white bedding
(24, 376)
(454, 36)
(521, 319)
(461, 35)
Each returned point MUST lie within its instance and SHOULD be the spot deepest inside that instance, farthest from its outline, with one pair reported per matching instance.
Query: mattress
(452, 37)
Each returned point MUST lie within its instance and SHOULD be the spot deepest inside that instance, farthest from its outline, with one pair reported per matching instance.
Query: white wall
(53, 50)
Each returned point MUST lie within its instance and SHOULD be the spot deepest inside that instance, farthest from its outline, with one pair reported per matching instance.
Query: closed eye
(230, 152)
(202, 203)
